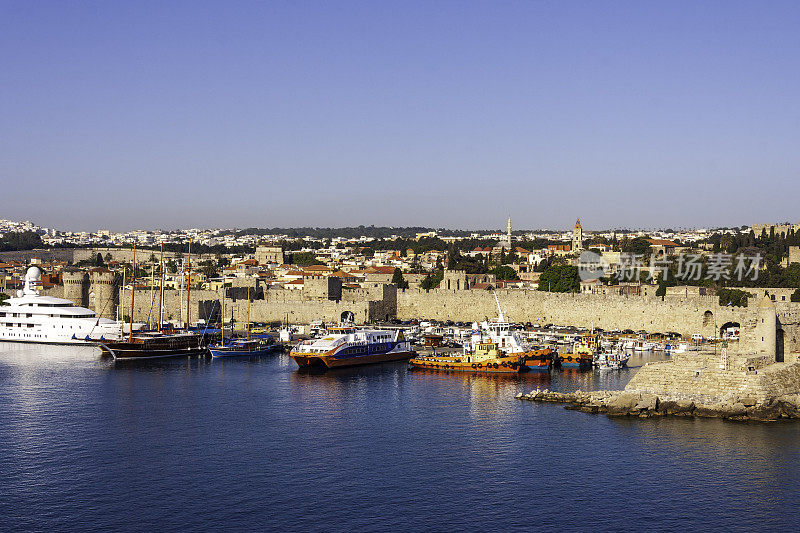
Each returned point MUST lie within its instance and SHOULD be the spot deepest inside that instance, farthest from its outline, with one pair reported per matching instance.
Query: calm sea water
(251, 444)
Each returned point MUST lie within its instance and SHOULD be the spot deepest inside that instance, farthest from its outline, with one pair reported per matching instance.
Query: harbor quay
(704, 385)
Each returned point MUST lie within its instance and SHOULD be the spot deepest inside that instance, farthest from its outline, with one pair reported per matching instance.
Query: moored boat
(539, 359)
(582, 354)
(611, 360)
(148, 345)
(351, 346)
(511, 342)
(33, 318)
(257, 345)
(486, 357)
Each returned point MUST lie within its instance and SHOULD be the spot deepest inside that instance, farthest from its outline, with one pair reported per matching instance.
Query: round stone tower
(766, 328)
(103, 292)
(76, 286)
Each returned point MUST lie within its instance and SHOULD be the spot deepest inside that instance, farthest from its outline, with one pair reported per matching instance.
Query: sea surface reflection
(253, 444)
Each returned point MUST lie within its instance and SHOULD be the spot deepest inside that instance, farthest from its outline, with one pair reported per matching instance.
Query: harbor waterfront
(381, 266)
(252, 444)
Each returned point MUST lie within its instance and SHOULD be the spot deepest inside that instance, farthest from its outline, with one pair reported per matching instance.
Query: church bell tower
(577, 236)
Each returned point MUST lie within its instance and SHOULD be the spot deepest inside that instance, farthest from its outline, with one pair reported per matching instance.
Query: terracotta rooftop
(661, 242)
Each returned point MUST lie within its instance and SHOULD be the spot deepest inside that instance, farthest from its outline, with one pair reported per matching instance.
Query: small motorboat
(611, 360)
(681, 348)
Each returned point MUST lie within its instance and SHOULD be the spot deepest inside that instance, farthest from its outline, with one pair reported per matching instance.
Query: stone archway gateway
(730, 330)
(708, 318)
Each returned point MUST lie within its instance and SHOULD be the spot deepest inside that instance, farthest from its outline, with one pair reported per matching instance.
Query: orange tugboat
(512, 342)
(541, 359)
(582, 354)
(487, 357)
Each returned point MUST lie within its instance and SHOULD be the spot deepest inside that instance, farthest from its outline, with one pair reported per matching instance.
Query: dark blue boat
(257, 345)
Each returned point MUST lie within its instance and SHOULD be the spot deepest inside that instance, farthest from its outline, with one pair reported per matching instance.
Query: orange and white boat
(351, 346)
(513, 342)
(485, 357)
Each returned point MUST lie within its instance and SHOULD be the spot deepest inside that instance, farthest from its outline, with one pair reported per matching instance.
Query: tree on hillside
(735, 297)
(795, 296)
(208, 268)
(664, 283)
(504, 272)
(432, 281)
(397, 279)
(560, 278)
(305, 259)
(20, 240)
(470, 265)
(638, 246)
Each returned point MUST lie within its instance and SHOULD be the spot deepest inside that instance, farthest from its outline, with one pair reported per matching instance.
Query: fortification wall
(45, 254)
(789, 325)
(700, 379)
(686, 316)
(700, 315)
(276, 308)
(126, 254)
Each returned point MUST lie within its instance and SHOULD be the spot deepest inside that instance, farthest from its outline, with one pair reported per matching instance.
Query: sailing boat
(251, 345)
(151, 344)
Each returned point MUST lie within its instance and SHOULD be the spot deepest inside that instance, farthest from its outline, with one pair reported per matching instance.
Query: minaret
(577, 236)
(508, 232)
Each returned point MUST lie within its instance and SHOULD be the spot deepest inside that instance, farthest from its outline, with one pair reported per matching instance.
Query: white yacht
(31, 317)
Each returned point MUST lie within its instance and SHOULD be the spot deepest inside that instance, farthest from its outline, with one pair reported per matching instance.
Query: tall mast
(161, 290)
(121, 306)
(180, 296)
(222, 315)
(188, 283)
(248, 313)
(133, 290)
(152, 291)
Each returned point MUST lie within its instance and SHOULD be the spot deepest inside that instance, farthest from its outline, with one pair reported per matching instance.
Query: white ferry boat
(31, 317)
(350, 346)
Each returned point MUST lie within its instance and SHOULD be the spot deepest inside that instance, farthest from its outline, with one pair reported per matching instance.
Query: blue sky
(445, 114)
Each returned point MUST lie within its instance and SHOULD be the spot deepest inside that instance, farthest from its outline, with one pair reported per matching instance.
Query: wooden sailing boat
(152, 344)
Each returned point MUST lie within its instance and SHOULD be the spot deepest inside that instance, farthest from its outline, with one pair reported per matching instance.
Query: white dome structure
(32, 277)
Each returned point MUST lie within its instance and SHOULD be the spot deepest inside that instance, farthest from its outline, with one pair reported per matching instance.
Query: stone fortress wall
(125, 255)
(73, 255)
(325, 299)
(701, 315)
(779, 229)
(373, 303)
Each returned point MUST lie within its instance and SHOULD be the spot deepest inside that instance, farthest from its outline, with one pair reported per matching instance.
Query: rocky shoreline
(648, 405)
